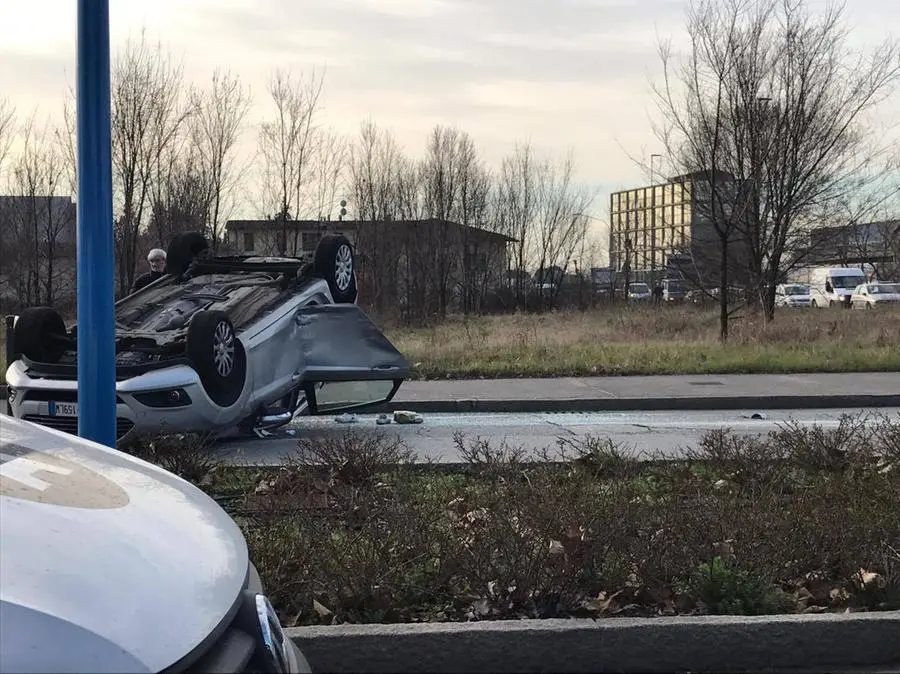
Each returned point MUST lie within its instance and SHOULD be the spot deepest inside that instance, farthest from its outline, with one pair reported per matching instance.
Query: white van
(833, 286)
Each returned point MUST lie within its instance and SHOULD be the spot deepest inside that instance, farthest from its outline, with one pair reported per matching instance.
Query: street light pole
(95, 256)
(653, 221)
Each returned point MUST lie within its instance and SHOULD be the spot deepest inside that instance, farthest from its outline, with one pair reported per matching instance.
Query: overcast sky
(562, 73)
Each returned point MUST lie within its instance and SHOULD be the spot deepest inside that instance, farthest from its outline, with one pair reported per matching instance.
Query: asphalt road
(638, 432)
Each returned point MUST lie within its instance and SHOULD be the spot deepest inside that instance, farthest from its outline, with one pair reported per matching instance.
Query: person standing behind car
(156, 258)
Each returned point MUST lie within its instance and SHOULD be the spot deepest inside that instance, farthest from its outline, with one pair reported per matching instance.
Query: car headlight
(275, 641)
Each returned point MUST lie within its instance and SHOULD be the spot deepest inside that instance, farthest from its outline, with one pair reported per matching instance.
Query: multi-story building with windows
(664, 230)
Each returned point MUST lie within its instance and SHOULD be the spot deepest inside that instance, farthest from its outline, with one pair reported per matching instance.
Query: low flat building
(428, 265)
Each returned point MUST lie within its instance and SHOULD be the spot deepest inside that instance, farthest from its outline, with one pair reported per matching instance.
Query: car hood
(107, 563)
(887, 297)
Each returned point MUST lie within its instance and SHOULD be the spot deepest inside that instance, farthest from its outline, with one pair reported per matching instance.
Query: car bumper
(170, 399)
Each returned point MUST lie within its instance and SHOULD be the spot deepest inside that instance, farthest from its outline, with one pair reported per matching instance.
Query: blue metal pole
(96, 299)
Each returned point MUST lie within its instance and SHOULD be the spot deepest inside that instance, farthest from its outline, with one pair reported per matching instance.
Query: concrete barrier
(645, 404)
(823, 643)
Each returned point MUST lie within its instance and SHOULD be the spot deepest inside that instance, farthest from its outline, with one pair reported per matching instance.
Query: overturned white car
(218, 343)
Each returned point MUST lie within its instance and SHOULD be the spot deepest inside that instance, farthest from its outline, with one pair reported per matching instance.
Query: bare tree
(789, 98)
(375, 164)
(287, 144)
(7, 132)
(217, 118)
(330, 172)
(66, 139)
(448, 154)
(383, 185)
(707, 122)
(482, 265)
(7, 128)
(561, 226)
(41, 215)
(515, 210)
(181, 195)
(147, 116)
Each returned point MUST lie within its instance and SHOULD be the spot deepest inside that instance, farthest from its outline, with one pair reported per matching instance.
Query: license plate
(55, 409)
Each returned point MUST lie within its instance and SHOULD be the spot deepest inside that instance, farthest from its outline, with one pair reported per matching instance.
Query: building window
(248, 242)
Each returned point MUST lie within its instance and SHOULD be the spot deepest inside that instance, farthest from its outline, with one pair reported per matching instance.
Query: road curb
(707, 644)
(680, 404)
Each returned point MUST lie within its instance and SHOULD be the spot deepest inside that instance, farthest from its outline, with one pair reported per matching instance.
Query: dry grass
(350, 531)
(669, 340)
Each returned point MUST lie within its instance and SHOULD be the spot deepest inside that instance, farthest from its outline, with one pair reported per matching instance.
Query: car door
(348, 362)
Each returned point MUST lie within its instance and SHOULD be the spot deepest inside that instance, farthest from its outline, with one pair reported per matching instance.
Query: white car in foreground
(111, 564)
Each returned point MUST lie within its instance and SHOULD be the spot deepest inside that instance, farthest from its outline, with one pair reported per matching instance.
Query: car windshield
(639, 288)
(885, 289)
(796, 290)
(845, 282)
(675, 287)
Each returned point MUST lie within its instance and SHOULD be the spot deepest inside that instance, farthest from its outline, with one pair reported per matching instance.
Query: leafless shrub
(187, 455)
(749, 525)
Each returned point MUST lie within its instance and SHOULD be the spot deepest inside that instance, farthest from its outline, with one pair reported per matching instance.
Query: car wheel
(335, 262)
(217, 355)
(183, 250)
(40, 335)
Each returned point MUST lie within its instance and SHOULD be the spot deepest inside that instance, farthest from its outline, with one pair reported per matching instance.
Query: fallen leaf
(322, 610)
(870, 579)
(556, 548)
(264, 486)
(725, 550)
(838, 595)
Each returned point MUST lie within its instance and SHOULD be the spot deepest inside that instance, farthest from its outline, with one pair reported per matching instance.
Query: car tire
(218, 356)
(40, 335)
(335, 262)
(183, 250)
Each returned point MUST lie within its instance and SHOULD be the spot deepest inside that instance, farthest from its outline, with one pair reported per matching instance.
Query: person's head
(157, 259)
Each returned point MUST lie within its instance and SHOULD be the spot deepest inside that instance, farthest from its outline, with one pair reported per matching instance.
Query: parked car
(219, 343)
(111, 564)
(833, 286)
(872, 295)
(699, 297)
(792, 295)
(639, 292)
(674, 290)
